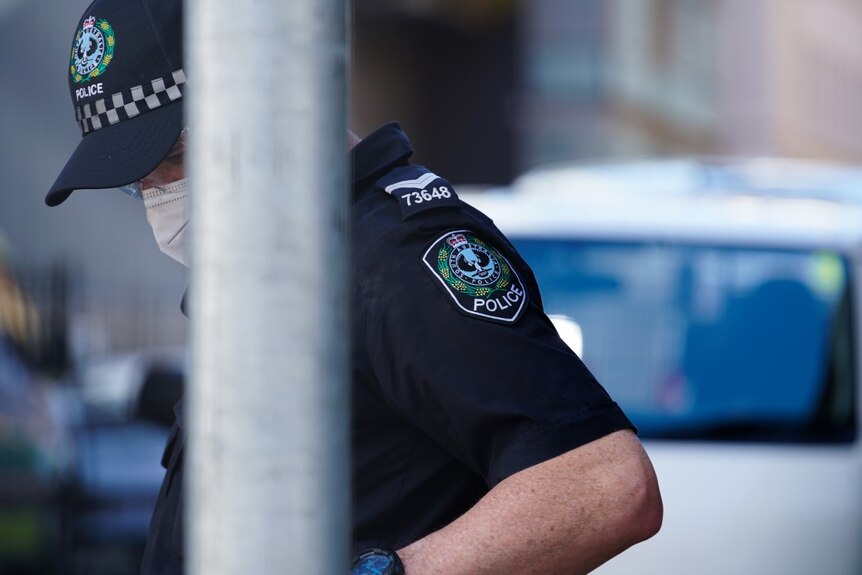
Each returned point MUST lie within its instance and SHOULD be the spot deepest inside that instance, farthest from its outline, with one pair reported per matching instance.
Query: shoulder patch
(478, 279)
(418, 189)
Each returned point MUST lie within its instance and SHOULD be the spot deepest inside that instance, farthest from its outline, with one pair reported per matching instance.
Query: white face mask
(168, 214)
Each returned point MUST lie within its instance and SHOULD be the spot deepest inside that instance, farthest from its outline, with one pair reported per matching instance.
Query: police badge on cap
(92, 50)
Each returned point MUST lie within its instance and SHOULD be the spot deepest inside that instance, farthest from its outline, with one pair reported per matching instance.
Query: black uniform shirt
(459, 378)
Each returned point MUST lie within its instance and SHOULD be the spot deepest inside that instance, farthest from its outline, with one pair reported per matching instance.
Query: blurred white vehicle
(717, 302)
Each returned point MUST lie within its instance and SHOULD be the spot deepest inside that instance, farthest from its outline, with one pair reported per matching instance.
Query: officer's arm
(567, 515)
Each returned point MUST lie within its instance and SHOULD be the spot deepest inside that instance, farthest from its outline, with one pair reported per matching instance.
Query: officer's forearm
(567, 515)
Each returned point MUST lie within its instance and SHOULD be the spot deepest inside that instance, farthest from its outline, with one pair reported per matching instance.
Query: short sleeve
(499, 394)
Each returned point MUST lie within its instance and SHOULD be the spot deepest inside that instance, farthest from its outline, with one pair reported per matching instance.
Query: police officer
(482, 444)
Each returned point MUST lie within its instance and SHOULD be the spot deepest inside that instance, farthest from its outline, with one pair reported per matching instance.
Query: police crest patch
(92, 50)
(476, 276)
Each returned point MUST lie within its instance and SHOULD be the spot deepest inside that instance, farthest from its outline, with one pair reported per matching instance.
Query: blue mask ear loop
(136, 189)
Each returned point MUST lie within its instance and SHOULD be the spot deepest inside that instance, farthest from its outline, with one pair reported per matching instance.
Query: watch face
(376, 564)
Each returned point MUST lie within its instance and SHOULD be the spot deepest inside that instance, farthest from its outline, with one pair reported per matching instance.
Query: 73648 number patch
(418, 189)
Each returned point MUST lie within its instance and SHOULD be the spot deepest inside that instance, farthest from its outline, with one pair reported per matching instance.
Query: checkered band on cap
(130, 103)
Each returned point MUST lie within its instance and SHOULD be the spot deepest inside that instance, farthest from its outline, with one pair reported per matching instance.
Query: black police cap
(127, 81)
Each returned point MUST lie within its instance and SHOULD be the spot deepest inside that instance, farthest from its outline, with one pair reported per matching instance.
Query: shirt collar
(385, 147)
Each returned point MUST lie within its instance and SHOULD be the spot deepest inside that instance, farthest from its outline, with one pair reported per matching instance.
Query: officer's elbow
(624, 504)
(648, 508)
(621, 500)
(639, 509)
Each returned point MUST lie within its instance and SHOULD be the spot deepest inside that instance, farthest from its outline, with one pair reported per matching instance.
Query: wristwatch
(377, 562)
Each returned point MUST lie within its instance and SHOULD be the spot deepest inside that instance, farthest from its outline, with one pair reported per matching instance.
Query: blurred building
(815, 55)
(492, 90)
(771, 77)
(446, 70)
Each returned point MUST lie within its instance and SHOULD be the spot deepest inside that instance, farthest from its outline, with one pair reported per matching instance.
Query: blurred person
(481, 442)
(21, 400)
(17, 324)
(18, 317)
(33, 438)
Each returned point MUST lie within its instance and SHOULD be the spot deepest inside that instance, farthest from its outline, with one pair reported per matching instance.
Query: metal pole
(268, 488)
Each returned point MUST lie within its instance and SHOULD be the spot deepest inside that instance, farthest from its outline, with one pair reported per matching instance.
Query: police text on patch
(89, 91)
(505, 301)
